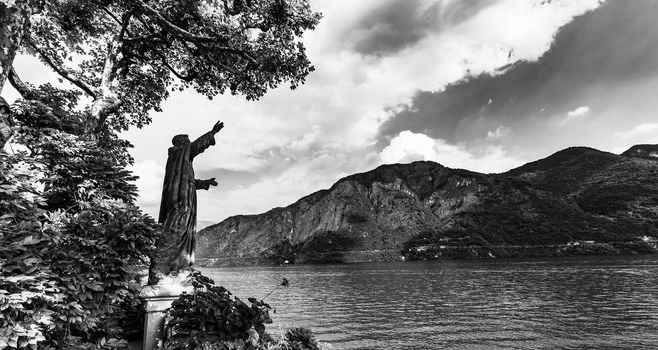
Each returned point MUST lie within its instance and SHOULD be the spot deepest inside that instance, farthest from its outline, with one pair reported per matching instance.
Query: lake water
(553, 303)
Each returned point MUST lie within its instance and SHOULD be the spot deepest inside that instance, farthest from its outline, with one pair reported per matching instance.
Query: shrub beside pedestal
(158, 298)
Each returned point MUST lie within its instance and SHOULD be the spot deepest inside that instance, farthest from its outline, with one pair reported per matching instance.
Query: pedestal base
(158, 298)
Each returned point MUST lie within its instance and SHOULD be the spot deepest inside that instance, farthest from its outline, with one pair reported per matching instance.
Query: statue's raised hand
(218, 126)
(212, 181)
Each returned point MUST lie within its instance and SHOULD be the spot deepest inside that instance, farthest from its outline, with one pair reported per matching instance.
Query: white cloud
(639, 130)
(572, 115)
(305, 142)
(406, 145)
(500, 132)
(523, 28)
(578, 111)
(409, 146)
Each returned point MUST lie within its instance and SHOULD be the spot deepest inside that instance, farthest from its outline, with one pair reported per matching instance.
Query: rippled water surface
(567, 303)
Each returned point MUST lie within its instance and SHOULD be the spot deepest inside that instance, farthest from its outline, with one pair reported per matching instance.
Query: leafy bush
(211, 315)
(301, 339)
(66, 278)
(72, 244)
(213, 319)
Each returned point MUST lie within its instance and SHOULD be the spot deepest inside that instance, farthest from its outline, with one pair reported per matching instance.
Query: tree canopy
(127, 55)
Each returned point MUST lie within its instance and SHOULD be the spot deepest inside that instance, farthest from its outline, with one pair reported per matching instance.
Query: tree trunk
(106, 101)
(14, 22)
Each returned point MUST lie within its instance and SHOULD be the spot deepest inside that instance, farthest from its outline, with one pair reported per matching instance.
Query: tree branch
(109, 13)
(125, 24)
(27, 93)
(146, 24)
(211, 42)
(180, 76)
(63, 72)
(227, 68)
(19, 85)
(249, 58)
(145, 40)
(176, 29)
(214, 41)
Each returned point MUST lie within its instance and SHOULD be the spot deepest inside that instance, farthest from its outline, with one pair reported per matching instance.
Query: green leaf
(97, 287)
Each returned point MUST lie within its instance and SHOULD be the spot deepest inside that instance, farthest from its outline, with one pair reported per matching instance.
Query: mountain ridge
(424, 210)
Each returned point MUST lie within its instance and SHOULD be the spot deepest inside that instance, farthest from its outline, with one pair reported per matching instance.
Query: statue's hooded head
(180, 140)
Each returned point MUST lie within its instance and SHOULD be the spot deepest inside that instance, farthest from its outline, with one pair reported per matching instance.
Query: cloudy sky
(483, 85)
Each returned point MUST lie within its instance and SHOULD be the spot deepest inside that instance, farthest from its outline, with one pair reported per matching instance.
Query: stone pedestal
(158, 298)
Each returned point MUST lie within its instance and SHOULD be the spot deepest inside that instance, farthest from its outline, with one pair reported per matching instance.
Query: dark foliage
(134, 53)
(301, 339)
(53, 130)
(213, 319)
(356, 218)
(330, 241)
(326, 247)
(213, 315)
(67, 277)
(282, 252)
(72, 244)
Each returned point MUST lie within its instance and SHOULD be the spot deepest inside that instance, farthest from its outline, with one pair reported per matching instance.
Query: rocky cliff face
(576, 200)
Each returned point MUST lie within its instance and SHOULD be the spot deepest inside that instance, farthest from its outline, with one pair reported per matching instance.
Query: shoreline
(440, 252)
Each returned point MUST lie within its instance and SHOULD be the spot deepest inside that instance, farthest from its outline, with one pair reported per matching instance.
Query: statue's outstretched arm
(206, 140)
(204, 184)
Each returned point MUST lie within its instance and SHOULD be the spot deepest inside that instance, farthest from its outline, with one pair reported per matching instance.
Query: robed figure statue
(175, 248)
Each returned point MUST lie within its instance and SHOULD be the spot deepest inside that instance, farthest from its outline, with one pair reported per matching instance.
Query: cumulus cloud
(408, 147)
(645, 129)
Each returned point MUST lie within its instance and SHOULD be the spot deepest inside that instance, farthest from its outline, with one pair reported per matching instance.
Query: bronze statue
(175, 248)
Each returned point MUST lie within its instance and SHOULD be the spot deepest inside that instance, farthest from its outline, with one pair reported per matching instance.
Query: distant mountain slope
(578, 200)
(642, 151)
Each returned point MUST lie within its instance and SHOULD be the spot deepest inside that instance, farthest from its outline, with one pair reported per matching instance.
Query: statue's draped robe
(178, 206)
